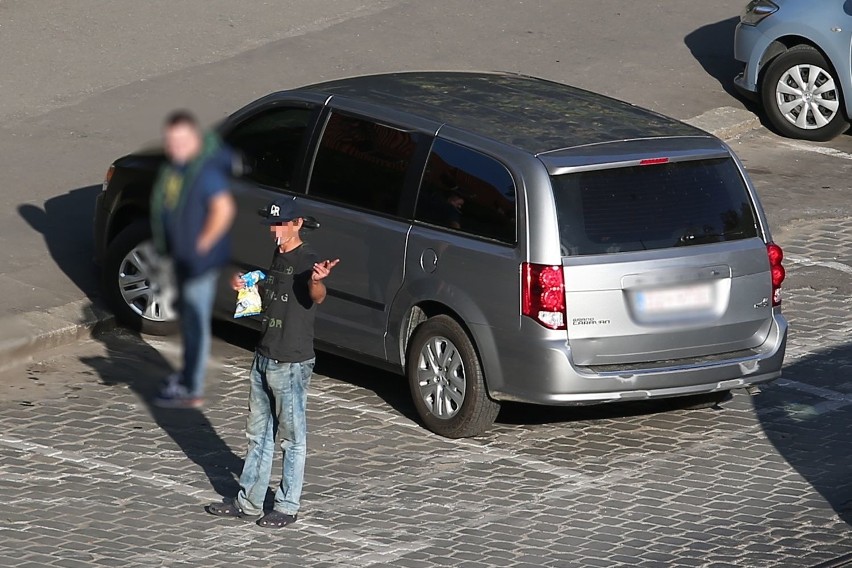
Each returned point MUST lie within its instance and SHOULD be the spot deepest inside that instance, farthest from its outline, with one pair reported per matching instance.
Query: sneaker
(180, 401)
(171, 387)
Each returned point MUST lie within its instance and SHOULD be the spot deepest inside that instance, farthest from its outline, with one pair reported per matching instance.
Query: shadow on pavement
(133, 362)
(812, 431)
(390, 387)
(713, 47)
(66, 222)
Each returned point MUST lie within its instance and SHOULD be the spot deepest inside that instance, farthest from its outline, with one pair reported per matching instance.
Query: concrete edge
(725, 122)
(25, 334)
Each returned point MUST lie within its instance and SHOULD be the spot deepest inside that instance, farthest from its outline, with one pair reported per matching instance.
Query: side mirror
(310, 223)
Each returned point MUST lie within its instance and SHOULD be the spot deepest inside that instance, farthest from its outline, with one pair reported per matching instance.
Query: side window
(270, 142)
(362, 163)
(467, 191)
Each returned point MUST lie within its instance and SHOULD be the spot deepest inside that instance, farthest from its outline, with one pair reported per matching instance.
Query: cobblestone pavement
(90, 475)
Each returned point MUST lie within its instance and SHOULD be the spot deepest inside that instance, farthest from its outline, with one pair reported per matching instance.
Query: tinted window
(362, 163)
(652, 207)
(270, 144)
(467, 191)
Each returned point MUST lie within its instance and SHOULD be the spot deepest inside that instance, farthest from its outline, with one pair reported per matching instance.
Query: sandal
(276, 520)
(227, 508)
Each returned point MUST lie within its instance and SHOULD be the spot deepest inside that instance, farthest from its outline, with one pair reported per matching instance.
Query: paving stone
(752, 485)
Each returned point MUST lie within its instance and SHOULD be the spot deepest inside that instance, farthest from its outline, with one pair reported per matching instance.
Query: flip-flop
(276, 520)
(228, 508)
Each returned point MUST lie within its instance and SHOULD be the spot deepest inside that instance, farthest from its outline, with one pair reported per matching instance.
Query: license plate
(693, 298)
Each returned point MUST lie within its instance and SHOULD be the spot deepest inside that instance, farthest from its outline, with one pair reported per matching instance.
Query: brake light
(543, 294)
(776, 269)
(653, 161)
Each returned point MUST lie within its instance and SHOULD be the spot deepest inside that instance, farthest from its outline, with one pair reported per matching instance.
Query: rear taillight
(776, 269)
(543, 294)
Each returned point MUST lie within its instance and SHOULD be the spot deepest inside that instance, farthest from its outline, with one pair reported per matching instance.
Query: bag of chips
(249, 302)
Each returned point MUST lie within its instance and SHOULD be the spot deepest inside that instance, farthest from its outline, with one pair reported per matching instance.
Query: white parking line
(824, 150)
(804, 261)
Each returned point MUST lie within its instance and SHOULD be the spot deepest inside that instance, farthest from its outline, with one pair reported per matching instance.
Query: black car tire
(778, 68)
(476, 411)
(134, 236)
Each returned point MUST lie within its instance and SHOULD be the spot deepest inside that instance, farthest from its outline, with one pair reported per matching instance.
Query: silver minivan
(502, 238)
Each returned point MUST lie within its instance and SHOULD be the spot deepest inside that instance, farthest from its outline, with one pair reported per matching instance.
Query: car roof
(529, 113)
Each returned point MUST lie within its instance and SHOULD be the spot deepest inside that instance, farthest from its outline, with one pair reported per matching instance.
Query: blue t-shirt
(184, 215)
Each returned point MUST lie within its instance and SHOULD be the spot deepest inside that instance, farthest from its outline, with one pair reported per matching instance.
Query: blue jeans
(195, 307)
(278, 398)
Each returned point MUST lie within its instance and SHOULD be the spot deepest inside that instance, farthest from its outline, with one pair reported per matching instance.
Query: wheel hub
(136, 272)
(807, 96)
(442, 377)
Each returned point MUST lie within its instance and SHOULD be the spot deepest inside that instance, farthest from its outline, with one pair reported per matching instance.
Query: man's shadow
(132, 362)
(66, 222)
(812, 430)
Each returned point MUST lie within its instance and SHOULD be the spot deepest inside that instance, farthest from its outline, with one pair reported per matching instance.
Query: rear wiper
(689, 237)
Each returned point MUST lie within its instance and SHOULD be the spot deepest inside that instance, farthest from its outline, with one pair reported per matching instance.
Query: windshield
(652, 207)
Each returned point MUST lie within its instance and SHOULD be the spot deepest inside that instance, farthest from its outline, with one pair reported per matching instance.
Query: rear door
(661, 261)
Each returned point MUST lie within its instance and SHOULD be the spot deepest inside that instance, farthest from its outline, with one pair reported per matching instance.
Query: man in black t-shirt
(281, 371)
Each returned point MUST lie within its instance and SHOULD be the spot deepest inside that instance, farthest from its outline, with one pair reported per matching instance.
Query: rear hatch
(663, 259)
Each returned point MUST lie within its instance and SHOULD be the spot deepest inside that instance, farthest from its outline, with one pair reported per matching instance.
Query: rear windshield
(652, 207)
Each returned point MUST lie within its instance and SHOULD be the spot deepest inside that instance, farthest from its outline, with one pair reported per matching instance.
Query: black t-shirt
(288, 311)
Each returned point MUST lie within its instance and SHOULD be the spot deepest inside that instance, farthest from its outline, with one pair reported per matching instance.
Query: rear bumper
(542, 372)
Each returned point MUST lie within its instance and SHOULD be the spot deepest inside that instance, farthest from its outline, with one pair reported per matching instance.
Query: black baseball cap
(280, 210)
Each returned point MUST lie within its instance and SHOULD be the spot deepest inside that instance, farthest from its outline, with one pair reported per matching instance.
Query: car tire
(446, 380)
(816, 115)
(126, 280)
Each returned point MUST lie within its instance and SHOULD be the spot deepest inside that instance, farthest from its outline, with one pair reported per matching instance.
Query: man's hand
(323, 269)
(237, 282)
(223, 209)
(316, 288)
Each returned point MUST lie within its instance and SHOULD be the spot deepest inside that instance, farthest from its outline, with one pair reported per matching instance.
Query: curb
(25, 334)
(725, 122)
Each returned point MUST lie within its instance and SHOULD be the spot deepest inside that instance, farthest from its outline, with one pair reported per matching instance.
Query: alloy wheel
(441, 377)
(143, 286)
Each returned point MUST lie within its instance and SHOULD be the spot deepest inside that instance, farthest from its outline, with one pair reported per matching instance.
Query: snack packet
(248, 298)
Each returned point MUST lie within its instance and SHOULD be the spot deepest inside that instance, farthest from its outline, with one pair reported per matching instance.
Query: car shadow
(520, 414)
(65, 221)
(812, 429)
(130, 361)
(713, 47)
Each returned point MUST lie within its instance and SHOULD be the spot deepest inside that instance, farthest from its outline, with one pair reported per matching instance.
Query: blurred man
(191, 213)
(281, 372)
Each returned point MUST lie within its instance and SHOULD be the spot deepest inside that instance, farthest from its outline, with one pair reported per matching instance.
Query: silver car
(797, 63)
(502, 238)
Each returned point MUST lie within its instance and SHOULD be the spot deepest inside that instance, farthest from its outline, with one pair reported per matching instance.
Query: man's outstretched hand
(323, 269)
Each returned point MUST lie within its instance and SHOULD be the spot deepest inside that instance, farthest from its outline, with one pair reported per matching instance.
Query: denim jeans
(195, 307)
(278, 398)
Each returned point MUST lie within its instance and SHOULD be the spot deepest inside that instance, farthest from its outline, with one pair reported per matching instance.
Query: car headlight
(108, 177)
(756, 11)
